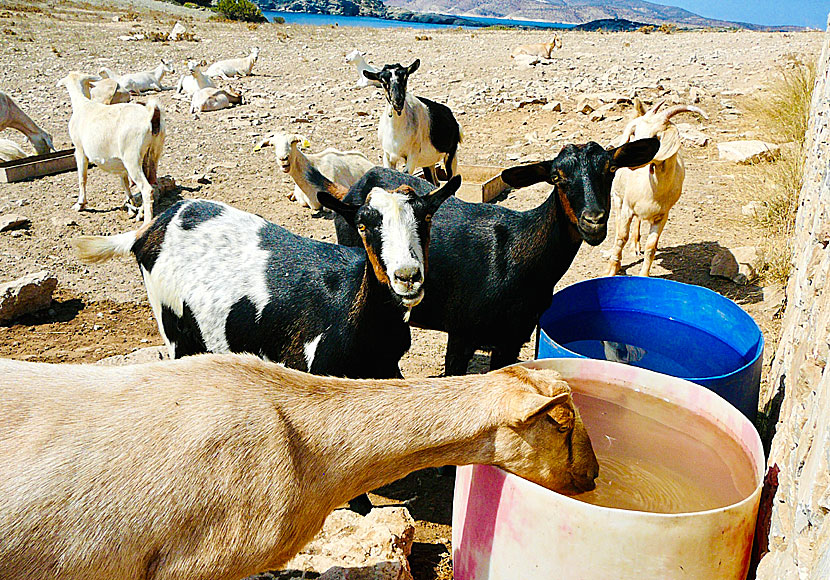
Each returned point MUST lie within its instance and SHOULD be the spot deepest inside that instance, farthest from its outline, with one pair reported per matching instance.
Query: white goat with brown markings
(649, 192)
(221, 466)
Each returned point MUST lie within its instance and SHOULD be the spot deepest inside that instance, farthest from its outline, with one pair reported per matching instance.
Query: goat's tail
(157, 115)
(94, 249)
(460, 134)
(322, 183)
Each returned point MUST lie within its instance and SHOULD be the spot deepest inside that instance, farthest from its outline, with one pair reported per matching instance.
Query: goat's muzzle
(407, 282)
(285, 164)
(593, 227)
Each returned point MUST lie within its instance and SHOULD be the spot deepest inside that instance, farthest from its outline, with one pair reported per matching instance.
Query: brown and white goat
(649, 192)
(12, 116)
(221, 466)
(542, 49)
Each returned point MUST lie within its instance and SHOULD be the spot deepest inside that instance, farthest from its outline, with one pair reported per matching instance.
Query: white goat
(9, 151)
(221, 466)
(342, 167)
(194, 79)
(213, 99)
(542, 49)
(234, 67)
(108, 92)
(649, 192)
(13, 117)
(357, 60)
(125, 138)
(415, 130)
(141, 81)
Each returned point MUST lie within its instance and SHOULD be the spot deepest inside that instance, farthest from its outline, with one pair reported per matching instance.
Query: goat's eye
(559, 427)
(612, 168)
(361, 228)
(428, 218)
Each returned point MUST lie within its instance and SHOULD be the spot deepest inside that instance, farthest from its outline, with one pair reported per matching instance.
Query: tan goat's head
(544, 439)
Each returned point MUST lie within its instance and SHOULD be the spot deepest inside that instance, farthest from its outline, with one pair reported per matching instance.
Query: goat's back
(95, 461)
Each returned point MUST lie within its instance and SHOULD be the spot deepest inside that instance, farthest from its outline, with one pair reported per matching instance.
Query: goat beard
(406, 315)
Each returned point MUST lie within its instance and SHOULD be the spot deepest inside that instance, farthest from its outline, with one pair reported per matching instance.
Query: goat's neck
(76, 96)
(357, 439)
(548, 238)
(407, 117)
(21, 121)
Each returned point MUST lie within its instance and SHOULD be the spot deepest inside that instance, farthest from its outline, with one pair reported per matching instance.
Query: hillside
(565, 11)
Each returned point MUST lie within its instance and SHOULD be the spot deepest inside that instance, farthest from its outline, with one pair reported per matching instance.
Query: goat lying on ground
(217, 467)
(357, 60)
(126, 138)
(341, 167)
(234, 67)
(194, 79)
(413, 129)
(648, 193)
(213, 99)
(492, 269)
(140, 82)
(542, 49)
(11, 116)
(223, 280)
(9, 150)
(108, 92)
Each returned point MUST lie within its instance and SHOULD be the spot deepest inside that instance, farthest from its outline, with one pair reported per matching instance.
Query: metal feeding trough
(37, 166)
(479, 183)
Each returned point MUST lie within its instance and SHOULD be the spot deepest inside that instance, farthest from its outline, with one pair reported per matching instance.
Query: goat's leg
(130, 202)
(429, 175)
(147, 193)
(655, 229)
(623, 225)
(503, 356)
(458, 356)
(636, 240)
(387, 161)
(83, 169)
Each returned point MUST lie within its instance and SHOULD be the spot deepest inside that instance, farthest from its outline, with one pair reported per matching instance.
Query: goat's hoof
(79, 207)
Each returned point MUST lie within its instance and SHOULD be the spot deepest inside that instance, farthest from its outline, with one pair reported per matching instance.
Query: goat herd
(220, 466)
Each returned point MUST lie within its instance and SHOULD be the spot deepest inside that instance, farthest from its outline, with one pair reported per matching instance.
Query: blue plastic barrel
(673, 328)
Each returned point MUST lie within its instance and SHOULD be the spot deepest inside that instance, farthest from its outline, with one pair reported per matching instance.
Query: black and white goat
(417, 131)
(493, 269)
(223, 280)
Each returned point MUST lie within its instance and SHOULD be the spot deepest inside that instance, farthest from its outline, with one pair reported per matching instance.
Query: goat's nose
(594, 217)
(408, 275)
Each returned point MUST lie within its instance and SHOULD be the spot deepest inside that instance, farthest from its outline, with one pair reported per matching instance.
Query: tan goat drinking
(220, 466)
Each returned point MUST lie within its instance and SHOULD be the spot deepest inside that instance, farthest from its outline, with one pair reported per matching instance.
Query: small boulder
(27, 294)
(13, 221)
(691, 135)
(737, 264)
(747, 152)
(553, 106)
(178, 32)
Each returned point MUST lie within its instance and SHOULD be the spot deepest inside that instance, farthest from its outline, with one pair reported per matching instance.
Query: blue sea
(327, 19)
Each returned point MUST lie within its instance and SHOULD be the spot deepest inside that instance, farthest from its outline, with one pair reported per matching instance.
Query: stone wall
(799, 537)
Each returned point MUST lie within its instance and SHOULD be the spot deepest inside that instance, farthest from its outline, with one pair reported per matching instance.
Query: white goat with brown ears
(649, 192)
(216, 467)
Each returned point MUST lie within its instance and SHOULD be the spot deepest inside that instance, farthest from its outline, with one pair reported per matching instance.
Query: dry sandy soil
(302, 84)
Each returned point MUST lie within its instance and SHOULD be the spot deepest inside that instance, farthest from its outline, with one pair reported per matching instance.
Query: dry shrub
(667, 28)
(783, 112)
(646, 29)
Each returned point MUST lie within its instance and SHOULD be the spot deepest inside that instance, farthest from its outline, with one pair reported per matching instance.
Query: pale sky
(812, 13)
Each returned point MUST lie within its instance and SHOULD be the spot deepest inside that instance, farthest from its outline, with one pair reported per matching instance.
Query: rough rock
(692, 135)
(737, 264)
(178, 32)
(586, 106)
(746, 152)
(553, 106)
(12, 221)
(799, 529)
(27, 294)
(141, 355)
(353, 547)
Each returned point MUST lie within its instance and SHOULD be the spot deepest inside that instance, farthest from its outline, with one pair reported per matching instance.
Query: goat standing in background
(649, 192)
(413, 129)
(125, 138)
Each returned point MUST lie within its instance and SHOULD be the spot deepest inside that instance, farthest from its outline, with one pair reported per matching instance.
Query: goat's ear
(669, 143)
(639, 107)
(525, 175)
(525, 406)
(413, 67)
(347, 210)
(434, 200)
(371, 75)
(635, 153)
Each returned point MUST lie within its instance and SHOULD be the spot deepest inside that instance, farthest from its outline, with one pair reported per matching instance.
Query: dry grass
(783, 113)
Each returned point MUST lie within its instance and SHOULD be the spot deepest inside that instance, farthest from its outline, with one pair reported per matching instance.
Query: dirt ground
(302, 84)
